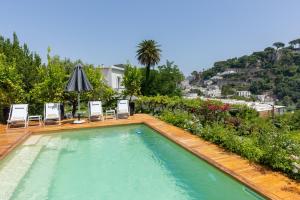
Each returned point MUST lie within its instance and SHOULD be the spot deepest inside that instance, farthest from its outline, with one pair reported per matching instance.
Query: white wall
(114, 78)
(111, 75)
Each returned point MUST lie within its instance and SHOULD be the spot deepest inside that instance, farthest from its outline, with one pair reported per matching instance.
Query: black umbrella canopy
(78, 81)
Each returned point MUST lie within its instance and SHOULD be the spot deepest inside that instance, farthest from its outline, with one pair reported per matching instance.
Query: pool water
(125, 162)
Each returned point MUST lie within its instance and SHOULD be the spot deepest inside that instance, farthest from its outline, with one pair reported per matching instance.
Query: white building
(212, 91)
(185, 85)
(208, 82)
(244, 93)
(226, 72)
(191, 96)
(113, 76)
(216, 77)
(261, 97)
(264, 98)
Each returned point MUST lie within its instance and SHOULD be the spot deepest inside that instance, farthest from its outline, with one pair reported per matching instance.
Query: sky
(192, 33)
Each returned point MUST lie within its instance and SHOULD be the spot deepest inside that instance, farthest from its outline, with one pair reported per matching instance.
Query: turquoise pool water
(116, 163)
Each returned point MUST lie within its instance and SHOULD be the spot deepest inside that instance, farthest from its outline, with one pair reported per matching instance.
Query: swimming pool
(125, 162)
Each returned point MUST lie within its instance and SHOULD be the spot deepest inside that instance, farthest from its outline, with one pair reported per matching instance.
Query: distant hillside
(275, 70)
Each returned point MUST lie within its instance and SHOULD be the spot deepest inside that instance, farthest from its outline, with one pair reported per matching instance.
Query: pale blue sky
(193, 33)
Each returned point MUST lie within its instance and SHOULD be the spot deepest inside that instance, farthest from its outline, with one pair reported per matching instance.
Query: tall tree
(11, 90)
(27, 63)
(132, 81)
(295, 42)
(165, 80)
(278, 45)
(148, 54)
(195, 75)
(168, 79)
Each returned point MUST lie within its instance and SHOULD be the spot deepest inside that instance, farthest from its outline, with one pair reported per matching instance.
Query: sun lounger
(123, 109)
(52, 112)
(95, 110)
(18, 113)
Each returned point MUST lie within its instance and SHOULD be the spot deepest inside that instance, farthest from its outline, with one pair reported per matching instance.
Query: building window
(118, 82)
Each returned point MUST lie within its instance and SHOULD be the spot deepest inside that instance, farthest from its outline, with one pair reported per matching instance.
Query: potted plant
(132, 107)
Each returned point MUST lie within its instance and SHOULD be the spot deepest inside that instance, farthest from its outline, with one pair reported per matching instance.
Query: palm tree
(148, 54)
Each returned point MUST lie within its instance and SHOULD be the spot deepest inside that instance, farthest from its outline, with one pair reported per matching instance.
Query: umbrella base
(78, 121)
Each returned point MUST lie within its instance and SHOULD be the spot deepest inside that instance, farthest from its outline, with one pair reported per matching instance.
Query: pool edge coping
(15, 145)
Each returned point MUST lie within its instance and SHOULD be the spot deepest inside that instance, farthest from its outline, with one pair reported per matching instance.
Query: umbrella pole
(78, 112)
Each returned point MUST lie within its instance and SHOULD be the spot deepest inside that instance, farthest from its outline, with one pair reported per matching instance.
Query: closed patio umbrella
(78, 82)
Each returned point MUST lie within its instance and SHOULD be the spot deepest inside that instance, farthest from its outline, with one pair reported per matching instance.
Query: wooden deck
(270, 184)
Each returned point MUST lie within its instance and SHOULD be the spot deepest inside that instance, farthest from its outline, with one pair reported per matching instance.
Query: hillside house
(246, 93)
(212, 91)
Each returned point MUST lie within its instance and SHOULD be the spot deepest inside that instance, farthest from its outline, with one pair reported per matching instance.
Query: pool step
(43, 172)
(58, 143)
(13, 170)
(44, 140)
(32, 140)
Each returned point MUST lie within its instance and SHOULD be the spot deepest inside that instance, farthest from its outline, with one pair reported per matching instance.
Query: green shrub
(295, 121)
(215, 133)
(175, 118)
(248, 149)
(183, 120)
(288, 120)
(278, 149)
(244, 112)
(193, 125)
(228, 138)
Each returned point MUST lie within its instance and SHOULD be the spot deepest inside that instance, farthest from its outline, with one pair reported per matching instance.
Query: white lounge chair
(52, 112)
(123, 109)
(95, 110)
(18, 113)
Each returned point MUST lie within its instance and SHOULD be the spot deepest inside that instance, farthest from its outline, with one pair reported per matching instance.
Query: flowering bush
(182, 120)
(194, 126)
(211, 112)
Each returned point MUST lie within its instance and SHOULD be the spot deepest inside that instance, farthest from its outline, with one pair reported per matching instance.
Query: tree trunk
(74, 108)
(62, 111)
(147, 81)
(147, 73)
(132, 108)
